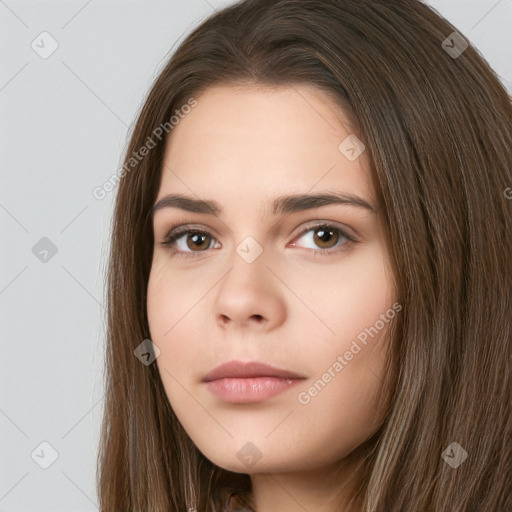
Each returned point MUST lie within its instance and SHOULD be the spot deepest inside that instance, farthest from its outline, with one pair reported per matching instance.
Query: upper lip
(240, 369)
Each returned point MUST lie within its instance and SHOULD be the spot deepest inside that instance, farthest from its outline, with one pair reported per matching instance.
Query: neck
(322, 490)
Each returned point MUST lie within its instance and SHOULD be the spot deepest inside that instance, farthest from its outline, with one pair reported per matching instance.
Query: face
(304, 287)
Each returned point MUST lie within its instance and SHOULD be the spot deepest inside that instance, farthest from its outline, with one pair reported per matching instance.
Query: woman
(310, 278)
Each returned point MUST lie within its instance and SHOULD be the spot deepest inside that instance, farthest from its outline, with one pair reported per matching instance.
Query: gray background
(64, 126)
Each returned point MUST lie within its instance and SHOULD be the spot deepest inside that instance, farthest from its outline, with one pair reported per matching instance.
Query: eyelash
(175, 234)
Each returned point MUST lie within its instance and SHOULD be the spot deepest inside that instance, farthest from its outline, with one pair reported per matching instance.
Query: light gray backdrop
(73, 76)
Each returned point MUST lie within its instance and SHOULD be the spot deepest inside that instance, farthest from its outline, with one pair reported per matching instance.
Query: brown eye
(190, 242)
(325, 238)
(199, 241)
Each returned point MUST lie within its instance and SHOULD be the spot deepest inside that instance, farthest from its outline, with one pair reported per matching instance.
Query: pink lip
(239, 382)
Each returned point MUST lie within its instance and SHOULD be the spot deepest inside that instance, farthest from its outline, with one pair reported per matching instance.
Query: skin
(242, 146)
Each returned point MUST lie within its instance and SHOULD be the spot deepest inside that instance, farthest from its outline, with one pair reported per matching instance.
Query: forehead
(243, 144)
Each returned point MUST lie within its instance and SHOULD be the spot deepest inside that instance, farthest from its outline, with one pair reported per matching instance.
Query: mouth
(249, 382)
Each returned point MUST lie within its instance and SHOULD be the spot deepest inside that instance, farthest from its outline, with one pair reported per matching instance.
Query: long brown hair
(437, 127)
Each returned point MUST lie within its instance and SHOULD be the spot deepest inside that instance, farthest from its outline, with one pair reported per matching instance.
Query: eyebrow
(280, 205)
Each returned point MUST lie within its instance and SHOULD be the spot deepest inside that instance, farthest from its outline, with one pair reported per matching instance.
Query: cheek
(167, 307)
(357, 306)
(174, 307)
(342, 405)
(345, 297)
(160, 301)
(171, 295)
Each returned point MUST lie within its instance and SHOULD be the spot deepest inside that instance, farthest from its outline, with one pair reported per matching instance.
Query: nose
(250, 297)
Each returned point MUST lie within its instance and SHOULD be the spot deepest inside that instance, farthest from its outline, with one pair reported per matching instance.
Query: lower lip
(247, 390)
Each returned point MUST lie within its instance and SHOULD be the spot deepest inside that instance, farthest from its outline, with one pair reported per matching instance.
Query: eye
(327, 237)
(188, 241)
(185, 238)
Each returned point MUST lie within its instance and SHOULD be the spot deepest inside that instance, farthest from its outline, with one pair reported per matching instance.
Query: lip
(248, 382)
(241, 369)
